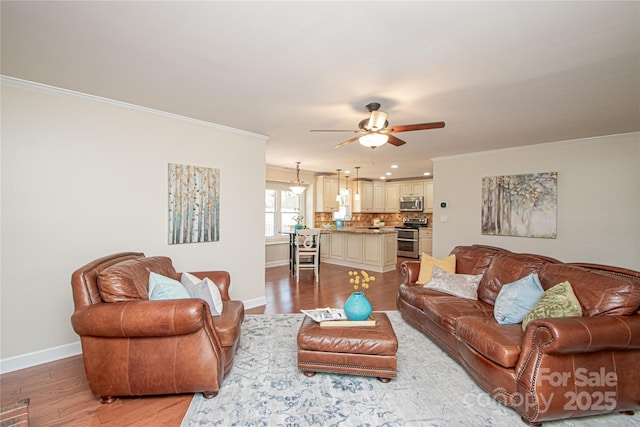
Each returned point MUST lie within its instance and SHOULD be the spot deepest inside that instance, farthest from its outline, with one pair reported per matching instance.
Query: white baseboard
(47, 355)
(255, 302)
(276, 263)
(39, 357)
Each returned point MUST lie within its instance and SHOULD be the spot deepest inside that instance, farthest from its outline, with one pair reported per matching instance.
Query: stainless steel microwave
(412, 204)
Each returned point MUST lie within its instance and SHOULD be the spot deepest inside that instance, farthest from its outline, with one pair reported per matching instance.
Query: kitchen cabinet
(412, 188)
(336, 247)
(365, 204)
(392, 197)
(353, 247)
(326, 192)
(378, 196)
(425, 241)
(428, 196)
(325, 245)
(363, 249)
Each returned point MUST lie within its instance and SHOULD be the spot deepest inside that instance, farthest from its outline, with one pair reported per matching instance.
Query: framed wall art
(194, 204)
(520, 205)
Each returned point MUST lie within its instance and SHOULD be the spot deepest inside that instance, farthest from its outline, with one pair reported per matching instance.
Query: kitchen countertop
(362, 230)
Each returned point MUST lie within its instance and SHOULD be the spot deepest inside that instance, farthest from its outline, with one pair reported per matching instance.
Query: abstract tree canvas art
(194, 204)
(520, 205)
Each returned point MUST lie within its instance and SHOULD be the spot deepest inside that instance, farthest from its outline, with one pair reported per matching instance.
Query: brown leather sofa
(558, 367)
(133, 346)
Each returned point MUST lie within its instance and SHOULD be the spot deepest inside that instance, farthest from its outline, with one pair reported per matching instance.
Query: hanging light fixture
(297, 187)
(338, 195)
(373, 139)
(357, 196)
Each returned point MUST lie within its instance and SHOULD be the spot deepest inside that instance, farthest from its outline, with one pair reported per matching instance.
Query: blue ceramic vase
(357, 307)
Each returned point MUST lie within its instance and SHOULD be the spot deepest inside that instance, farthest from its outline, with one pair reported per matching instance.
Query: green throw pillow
(558, 301)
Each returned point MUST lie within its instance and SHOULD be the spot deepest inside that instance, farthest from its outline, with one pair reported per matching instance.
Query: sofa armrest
(141, 318)
(410, 271)
(583, 334)
(222, 280)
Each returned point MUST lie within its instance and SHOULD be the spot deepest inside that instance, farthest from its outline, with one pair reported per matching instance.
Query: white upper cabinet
(326, 192)
(428, 196)
(365, 204)
(411, 188)
(378, 197)
(392, 197)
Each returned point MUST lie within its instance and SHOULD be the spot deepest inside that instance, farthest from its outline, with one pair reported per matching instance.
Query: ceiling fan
(374, 131)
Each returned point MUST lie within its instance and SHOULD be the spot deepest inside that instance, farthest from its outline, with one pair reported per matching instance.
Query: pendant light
(297, 187)
(357, 196)
(338, 195)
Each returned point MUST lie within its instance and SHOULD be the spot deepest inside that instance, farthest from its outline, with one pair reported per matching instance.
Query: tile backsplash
(366, 219)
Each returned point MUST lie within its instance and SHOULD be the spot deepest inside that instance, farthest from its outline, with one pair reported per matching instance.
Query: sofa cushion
(459, 285)
(506, 268)
(558, 301)
(516, 299)
(426, 267)
(446, 309)
(499, 343)
(416, 295)
(598, 293)
(474, 259)
(129, 280)
(227, 325)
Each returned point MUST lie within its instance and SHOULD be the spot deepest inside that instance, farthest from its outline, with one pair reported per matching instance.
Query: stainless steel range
(408, 243)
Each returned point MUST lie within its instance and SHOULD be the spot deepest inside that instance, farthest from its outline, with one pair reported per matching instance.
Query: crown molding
(41, 87)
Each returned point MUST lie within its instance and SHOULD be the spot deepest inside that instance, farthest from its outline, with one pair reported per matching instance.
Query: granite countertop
(363, 230)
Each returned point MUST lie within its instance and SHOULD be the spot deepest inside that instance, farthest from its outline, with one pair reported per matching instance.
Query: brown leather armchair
(132, 346)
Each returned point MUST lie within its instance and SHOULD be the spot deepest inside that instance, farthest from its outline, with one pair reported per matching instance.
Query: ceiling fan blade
(421, 126)
(349, 141)
(395, 141)
(334, 130)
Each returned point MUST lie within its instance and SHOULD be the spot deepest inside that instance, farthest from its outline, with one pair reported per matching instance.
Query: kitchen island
(360, 248)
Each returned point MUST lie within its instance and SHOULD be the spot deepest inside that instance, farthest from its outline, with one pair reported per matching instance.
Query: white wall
(84, 177)
(598, 218)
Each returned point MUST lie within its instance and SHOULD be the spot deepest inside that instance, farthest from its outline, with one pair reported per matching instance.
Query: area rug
(265, 388)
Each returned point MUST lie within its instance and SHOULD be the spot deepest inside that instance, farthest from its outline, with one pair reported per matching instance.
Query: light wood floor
(60, 396)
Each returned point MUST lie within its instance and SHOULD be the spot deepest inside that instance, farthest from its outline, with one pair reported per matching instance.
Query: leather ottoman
(355, 350)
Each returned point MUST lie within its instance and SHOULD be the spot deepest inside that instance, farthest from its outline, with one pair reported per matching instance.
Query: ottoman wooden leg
(384, 380)
(309, 373)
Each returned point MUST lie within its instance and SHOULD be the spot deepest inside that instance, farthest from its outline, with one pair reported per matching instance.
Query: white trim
(255, 302)
(277, 263)
(595, 139)
(39, 357)
(12, 81)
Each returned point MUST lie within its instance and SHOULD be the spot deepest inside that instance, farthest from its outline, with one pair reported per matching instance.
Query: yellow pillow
(426, 267)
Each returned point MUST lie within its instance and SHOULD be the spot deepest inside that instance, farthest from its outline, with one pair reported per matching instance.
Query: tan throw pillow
(448, 264)
(557, 301)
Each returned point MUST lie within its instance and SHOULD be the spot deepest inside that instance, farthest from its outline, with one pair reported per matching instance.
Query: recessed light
(347, 171)
(383, 177)
(394, 166)
(427, 173)
(388, 173)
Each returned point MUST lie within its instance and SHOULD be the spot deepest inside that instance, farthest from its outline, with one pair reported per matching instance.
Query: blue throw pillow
(161, 287)
(516, 299)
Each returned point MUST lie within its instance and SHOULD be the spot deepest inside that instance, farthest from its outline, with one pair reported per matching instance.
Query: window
(282, 207)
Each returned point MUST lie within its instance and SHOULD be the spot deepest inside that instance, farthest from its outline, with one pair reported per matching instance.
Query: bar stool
(307, 247)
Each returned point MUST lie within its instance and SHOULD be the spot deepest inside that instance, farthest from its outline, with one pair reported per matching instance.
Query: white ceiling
(500, 74)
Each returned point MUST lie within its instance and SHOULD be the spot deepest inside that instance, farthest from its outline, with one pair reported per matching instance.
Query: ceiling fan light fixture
(377, 120)
(373, 140)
